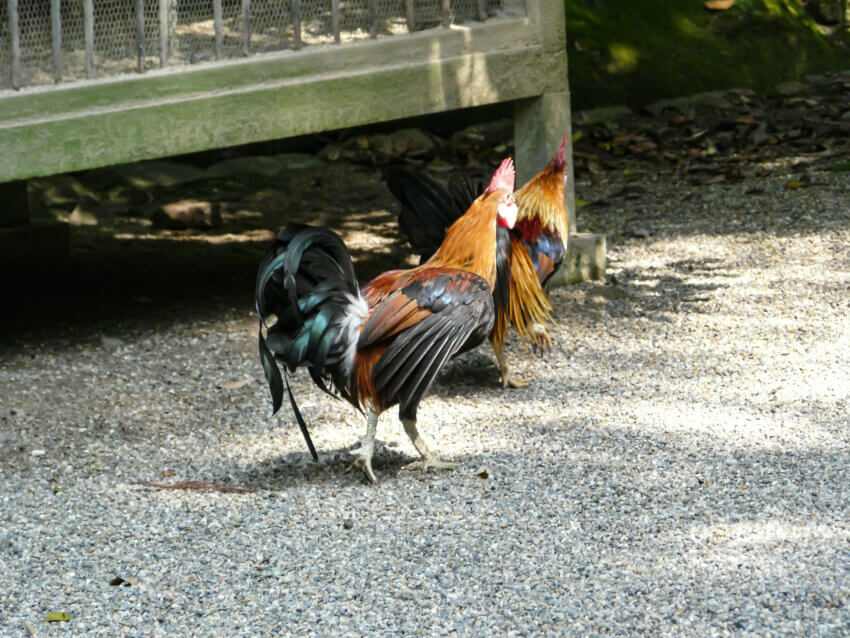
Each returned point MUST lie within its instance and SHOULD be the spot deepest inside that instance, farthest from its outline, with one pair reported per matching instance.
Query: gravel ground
(678, 465)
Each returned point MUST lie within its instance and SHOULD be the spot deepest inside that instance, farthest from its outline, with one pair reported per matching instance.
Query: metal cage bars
(167, 6)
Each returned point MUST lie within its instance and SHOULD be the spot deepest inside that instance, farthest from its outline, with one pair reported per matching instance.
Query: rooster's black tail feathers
(428, 207)
(307, 281)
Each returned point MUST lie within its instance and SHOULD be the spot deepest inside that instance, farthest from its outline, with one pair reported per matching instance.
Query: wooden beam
(56, 36)
(88, 35)
(476, 39)
(140, 35)
(246, 27)
(271, 109)
(15, 44)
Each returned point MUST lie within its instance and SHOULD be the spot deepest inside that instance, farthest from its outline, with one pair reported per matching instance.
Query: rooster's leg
(428, 458)
(508, 380)
(363, 454)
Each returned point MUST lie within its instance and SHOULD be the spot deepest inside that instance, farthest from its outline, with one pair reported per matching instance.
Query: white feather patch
(508, 211)
(358, 309)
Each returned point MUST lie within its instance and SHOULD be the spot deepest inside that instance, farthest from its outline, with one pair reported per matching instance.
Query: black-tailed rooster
(527, 255)
(384, 344)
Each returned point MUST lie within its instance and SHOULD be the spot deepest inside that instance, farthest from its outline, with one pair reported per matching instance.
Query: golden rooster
(527, 254)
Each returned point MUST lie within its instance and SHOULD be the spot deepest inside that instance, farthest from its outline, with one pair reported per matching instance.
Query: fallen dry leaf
(719, 5)
(200, 486)
(792, 186)
(642, 147)
(233, 385)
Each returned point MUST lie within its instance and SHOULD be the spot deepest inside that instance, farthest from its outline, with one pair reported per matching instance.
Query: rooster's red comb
(504, 177)
(560, 159)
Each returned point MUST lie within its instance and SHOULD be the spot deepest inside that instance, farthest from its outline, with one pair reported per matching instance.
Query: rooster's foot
(513, 381)
(363, 454)
(508, 380)
(437, 463)
(363, 460)
(429, 459)
(541, 340)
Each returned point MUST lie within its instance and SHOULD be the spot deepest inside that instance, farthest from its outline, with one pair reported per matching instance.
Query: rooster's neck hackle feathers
(543, 195)
(470, 242)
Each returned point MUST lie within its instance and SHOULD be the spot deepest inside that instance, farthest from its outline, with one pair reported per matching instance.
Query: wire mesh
(428, 14)
(190, 33)
(464, 11)
(5, 49)
(390, 17)
(35, 39)
(354, 20)
(116, 49)
(316, 22)
(193, 38)
(271, 25)
(73, 42)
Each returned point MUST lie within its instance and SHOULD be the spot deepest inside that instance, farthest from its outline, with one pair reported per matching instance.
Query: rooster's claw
(513, 381)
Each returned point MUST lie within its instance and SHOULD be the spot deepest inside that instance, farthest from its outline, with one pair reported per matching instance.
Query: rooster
(527, 255)
(382, 345)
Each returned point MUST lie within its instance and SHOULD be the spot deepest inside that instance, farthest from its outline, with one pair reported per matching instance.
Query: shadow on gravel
(334, 467)
(656, 294)
(141, 284)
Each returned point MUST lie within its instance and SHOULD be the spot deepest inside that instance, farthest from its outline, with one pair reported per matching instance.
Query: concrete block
(585, 260)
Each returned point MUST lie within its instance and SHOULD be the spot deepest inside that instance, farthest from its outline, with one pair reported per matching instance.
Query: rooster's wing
(429, 316)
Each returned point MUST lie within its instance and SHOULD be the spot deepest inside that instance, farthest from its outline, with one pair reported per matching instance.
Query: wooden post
(246, 27)
(539, 126)
(296, 24)
(411, 16)
(88, 30)
(335, 20)
(15, 209)
(15, 33)
(482, 10)
(140, 35)
(219, 30)
(22, 239)
(164, 21)
(446, 12)
(373, 19)
(56, 32)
